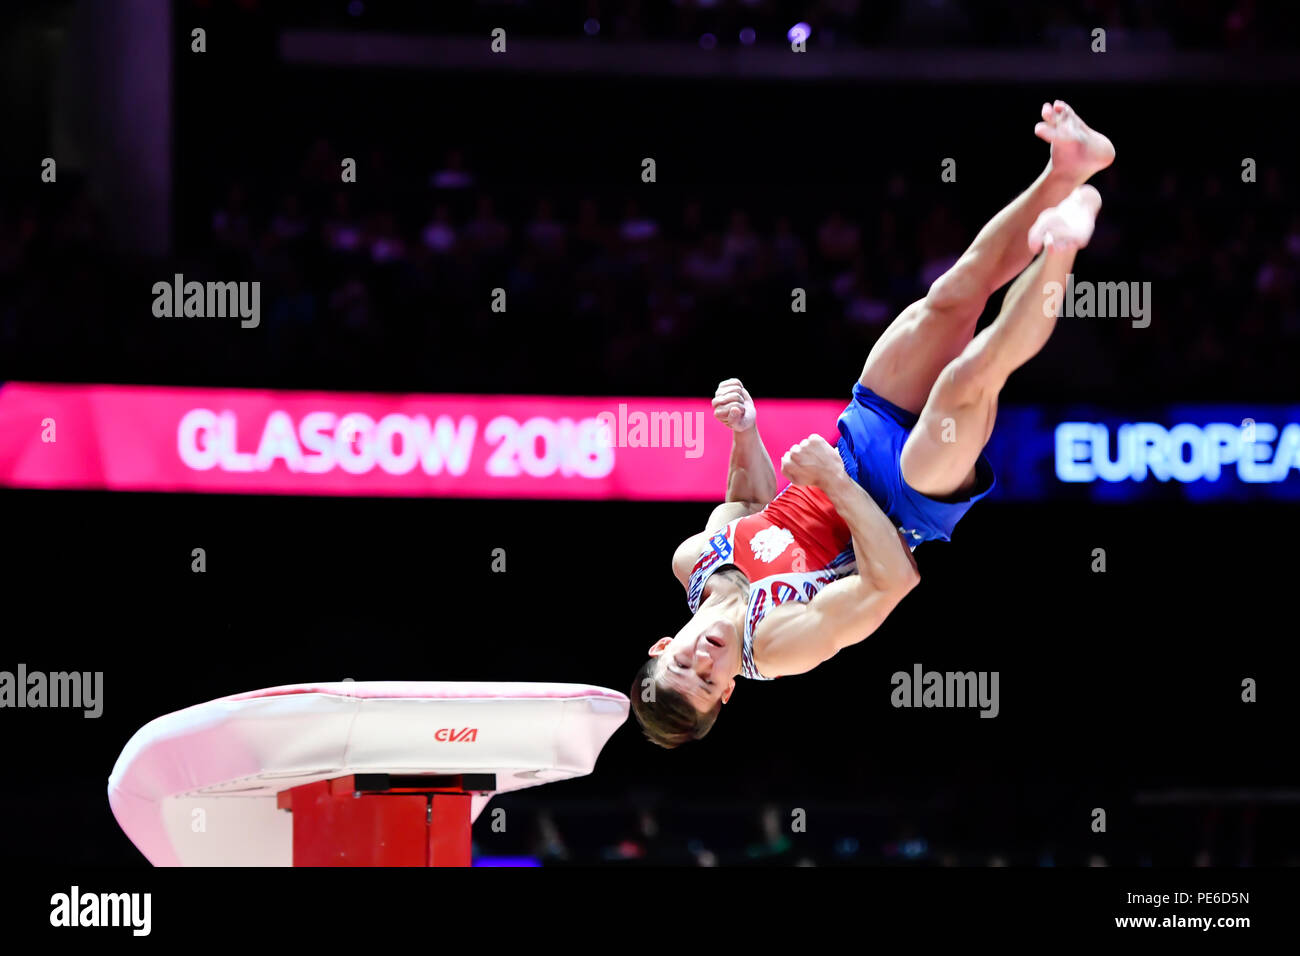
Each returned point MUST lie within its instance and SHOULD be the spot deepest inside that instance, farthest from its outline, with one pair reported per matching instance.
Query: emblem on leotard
(770, 542)
(721, 546)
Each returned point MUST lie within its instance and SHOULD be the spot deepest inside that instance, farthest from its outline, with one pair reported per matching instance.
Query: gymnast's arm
(751, 478)
(795, 638)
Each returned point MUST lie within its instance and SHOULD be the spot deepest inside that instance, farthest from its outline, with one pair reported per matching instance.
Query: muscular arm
(795, 638)
(882, 557)
(751, 479)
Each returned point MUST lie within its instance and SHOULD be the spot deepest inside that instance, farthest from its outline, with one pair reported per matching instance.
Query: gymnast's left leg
(939, 456)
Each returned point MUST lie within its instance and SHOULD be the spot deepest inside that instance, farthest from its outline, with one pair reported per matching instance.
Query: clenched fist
(733, 407)
(812, 462)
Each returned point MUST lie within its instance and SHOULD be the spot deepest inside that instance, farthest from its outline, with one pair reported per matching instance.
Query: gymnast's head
(679, 691)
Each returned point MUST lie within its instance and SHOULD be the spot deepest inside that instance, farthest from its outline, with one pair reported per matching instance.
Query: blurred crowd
(605, 293)
(712, 834)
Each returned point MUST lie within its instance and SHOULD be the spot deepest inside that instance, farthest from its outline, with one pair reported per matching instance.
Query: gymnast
(779, 583)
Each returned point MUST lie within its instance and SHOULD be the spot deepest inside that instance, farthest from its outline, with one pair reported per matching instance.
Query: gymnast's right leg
(929, 334)
(940, 453)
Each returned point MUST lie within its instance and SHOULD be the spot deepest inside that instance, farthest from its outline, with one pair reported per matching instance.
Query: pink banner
(128, 438)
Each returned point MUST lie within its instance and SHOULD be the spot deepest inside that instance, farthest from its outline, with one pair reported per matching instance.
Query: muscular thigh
(940, 453)
(907, 359)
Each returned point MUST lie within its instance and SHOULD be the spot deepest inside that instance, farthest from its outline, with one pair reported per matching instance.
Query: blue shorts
(872, 433)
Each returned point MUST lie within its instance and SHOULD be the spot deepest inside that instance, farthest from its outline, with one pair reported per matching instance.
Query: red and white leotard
(789, 551)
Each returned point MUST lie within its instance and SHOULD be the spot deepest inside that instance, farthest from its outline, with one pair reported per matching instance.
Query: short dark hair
(670, 719)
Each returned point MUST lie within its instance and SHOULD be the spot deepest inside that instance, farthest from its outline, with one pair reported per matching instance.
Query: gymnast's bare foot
(1077, 150)
(1068, 225)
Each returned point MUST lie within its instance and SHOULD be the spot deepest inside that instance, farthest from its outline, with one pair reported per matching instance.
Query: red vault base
(375, 821)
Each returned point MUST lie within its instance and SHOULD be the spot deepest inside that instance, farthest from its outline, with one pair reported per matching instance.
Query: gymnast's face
(700, 662)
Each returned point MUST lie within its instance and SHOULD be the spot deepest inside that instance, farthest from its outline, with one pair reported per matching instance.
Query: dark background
(1112, 685)
(1118, 690)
